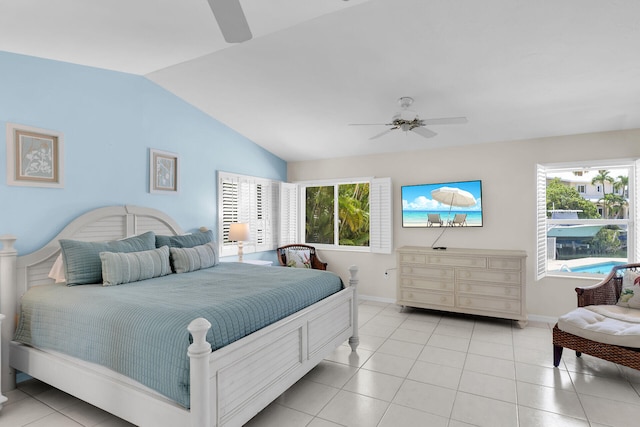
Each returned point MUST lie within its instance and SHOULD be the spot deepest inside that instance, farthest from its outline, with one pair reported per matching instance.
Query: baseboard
(531, 317)
(376, 299)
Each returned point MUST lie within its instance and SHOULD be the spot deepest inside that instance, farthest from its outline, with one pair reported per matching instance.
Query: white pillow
(57, 270)
(299, 258)
(630, 295)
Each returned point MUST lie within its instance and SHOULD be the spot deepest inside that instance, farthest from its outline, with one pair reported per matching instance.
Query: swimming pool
(600, 268)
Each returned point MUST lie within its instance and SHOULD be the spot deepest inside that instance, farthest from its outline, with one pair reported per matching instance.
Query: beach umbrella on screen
(453, 197)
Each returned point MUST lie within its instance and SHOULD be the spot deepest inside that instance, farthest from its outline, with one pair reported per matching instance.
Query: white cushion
(609, 324)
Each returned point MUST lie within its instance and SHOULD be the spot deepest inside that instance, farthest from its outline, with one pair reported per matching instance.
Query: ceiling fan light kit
(407, 120)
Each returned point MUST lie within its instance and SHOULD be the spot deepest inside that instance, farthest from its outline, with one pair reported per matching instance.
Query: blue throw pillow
(185, 240)
(121, 267)
(82, 263)
(191, 259)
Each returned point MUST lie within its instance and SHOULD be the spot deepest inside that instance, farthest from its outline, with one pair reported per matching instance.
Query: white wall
(508, 174)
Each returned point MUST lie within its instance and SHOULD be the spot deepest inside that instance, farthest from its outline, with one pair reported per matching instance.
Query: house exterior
(582, 181)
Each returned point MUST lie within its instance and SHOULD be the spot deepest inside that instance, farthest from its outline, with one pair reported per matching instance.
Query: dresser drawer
(410, 258)
(489, 276)
(505, 291)
(495, 305)
(425, 297)
(505, 263)
(431, 273)
(435, 285)
(456, 261)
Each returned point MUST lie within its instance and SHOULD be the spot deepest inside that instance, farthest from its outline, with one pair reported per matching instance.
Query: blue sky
(418, 197)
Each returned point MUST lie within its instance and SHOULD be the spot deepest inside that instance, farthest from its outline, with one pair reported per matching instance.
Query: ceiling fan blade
(231, 20)
(381, 134)
(422, 131)
(369, 124)
(446, 121)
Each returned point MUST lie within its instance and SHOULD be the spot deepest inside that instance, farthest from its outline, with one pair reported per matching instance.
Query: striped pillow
(191, 259)
(121, 267)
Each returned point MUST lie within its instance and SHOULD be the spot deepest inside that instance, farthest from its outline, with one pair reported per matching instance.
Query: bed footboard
(242, 378)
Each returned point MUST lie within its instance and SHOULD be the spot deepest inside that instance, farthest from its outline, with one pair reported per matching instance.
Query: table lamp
(239, 231)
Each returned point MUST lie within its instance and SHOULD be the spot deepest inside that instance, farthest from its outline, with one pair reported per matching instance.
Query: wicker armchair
(316, 263)
(606, 292)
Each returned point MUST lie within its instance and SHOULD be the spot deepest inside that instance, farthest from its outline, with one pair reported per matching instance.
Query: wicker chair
(606, 292)
(316, 263)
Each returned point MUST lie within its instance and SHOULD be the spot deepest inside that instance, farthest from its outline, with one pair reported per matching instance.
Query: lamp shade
(239, 231)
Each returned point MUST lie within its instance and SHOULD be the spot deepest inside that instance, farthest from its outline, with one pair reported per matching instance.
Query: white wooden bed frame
(228, 386)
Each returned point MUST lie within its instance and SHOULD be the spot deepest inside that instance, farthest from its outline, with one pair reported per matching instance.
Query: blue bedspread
(140, 329)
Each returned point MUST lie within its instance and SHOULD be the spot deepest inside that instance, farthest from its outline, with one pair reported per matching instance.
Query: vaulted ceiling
(517, 69)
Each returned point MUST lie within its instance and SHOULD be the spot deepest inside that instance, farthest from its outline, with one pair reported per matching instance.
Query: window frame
(380, 213)
(542, 222)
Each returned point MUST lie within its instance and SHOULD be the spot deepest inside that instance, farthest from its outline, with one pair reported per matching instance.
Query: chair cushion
(609, 324)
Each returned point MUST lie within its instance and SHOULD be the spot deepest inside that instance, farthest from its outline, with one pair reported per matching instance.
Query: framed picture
(35, 157)
(163, 171)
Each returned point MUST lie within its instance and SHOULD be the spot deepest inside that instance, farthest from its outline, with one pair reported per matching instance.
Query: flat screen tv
(454, 204)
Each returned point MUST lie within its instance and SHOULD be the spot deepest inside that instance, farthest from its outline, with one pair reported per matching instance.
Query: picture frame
(35, 156)
(163, 172)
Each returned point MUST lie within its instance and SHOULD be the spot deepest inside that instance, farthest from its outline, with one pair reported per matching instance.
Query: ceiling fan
(231, 20)
(407, 120)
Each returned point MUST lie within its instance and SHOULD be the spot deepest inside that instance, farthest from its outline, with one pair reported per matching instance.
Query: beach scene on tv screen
(450, 204)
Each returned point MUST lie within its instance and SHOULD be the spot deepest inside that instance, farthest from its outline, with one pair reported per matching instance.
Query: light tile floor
(415, 368)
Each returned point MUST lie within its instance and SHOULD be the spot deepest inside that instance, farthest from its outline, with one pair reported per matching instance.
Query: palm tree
(622, 184)
(603, 177)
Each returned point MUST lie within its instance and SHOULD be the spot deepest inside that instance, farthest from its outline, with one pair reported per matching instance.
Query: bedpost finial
(7, 241)
(353, 271)
(198, 329)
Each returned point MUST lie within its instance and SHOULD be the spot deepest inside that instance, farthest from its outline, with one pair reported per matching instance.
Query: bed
(225, 387)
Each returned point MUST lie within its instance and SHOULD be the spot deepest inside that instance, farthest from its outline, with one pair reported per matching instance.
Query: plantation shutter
(634, 227)
(248, 200)
(380, 216)
(541, 222)
(228, 196)
(288, 214)
(265, 200)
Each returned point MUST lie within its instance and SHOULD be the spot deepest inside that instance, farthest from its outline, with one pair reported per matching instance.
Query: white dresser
(476, 281)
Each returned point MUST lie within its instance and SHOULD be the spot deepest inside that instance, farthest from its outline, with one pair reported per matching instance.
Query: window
(586, 232)
(353, 214)
(251, 200)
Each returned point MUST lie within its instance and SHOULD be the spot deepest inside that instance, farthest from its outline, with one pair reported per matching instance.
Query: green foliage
(560, 196)
(353, 214)
(319, 215)
(607, 240)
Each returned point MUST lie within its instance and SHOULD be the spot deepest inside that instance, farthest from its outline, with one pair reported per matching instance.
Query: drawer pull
(443, 299)
(443, 285)
(507, 291)
(468, 302)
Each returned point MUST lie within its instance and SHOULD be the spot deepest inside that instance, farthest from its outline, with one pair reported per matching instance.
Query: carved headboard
(108, 223)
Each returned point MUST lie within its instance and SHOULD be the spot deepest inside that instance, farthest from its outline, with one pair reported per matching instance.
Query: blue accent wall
(109, 121)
